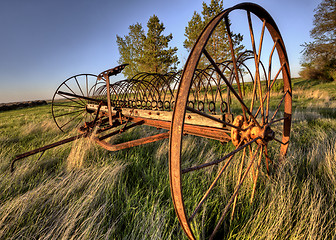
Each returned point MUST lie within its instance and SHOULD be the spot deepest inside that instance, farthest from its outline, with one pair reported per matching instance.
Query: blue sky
(43, 42)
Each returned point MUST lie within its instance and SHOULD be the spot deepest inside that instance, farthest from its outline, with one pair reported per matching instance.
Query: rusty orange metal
(228, 101)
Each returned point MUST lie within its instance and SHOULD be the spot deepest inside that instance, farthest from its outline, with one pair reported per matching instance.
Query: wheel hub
(249, 131)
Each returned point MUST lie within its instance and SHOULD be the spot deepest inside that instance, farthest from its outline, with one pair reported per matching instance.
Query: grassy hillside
(81, 191)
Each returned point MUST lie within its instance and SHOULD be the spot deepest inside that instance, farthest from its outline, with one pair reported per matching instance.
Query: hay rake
(238, 101)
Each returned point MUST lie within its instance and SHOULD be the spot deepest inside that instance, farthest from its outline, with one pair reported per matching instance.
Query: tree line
(150, 51)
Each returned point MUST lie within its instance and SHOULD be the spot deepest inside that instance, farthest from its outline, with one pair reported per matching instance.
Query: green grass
(81, 191)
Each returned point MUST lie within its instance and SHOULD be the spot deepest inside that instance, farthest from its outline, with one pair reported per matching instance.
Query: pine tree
(157, 56)
(319, 56)
(218, 45)
(147, 52)
(130, 49)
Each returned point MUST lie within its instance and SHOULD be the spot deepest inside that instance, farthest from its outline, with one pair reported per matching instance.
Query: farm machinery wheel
(68, 111)
(259, 102)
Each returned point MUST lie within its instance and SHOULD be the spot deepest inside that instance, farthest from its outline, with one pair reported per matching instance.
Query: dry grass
(80, 191)
(78, 152)
(43, 126)
(68, 206)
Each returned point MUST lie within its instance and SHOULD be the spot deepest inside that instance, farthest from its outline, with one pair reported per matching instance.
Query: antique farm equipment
(244, 101)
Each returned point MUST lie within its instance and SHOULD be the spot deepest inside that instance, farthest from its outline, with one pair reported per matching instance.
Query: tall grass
(80, 191)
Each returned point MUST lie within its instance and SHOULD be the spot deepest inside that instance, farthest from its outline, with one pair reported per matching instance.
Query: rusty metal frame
(178, 125)
(193, 102)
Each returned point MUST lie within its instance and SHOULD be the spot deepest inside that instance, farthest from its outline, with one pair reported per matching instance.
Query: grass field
(81, 191)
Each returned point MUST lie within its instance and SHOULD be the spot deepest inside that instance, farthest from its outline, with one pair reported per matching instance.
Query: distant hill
(16, 105)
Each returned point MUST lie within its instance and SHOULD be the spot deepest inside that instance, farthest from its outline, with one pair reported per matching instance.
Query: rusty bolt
(189, 117)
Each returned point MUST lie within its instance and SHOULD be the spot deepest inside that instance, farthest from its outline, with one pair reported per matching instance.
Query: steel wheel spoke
(80, 120)
(283, 143)
(257, 173)
(79, 86)
(257, 62)
(277, 120)
(212, 186)
(70, 99)
(278, 107)
(74, 93)
(227, 25)
(71, 120)
(65, 114)
(219, 160)
(87, 86)
(268, 94)
(226, 209)
(238, 180)
(230, 86)
(268, 160)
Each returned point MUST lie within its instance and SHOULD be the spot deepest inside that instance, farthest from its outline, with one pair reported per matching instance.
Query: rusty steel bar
(81, 97)
(118, 131)
(44, 148)
(132, 143)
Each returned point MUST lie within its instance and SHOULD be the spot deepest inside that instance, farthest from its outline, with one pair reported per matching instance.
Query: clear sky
(43, 42)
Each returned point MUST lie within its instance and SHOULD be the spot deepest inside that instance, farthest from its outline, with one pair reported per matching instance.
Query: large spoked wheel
(206, 192)
(69, 110)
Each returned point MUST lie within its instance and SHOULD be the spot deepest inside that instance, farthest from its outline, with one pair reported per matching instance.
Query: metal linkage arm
(44, 148)
(82, 97)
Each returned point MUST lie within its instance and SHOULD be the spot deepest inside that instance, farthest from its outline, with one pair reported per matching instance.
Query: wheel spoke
(212, 186)
(69, 113)
(80, 119)
(268, 160)
(74, 93)
(79, 86)
(238, 180)
(279, 105)
(257, 62)
(256, 114)
(277, 120)
(230, 86)
(70, 120)
(226, 209)
(234, 62)
(256, 176)
(87, 86)
(268, 94)
(70, 99)
(219, 160)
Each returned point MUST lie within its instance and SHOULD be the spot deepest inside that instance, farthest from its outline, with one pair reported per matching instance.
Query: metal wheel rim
(54, 100)
(177, 124)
